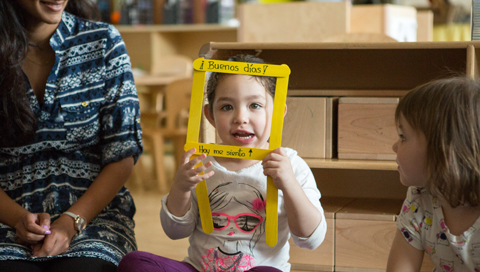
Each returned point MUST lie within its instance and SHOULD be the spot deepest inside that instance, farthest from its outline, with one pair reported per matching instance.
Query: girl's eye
(401, 137)
(255, 106)
(226, 108)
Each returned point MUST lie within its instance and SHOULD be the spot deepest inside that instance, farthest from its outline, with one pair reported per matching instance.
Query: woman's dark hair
(17, 121)
(268, 82)
(86, 9)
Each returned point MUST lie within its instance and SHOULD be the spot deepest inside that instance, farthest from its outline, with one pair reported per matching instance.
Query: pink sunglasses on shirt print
(245, 222)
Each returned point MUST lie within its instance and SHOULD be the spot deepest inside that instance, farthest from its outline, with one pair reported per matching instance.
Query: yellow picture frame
(282, 73)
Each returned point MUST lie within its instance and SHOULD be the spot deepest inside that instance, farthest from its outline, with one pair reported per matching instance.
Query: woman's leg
(264, 269)
(139, 261)
(79, 264)
(21, 266)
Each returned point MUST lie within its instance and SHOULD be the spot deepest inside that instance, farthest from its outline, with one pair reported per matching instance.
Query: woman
(69, 137)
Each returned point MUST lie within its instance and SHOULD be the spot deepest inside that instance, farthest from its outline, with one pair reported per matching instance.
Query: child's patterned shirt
(237, 201)
(422, 224)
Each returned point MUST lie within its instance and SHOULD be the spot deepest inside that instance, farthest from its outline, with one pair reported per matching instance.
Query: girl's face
(241, 112)
(43, 11)
(411, 149)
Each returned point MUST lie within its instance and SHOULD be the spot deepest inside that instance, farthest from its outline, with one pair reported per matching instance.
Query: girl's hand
(187, 176)
(32, 227)
(62, 232)
(278, 166)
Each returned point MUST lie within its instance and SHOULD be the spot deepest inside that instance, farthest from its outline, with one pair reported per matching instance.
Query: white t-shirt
(237, 201)
(422, 223)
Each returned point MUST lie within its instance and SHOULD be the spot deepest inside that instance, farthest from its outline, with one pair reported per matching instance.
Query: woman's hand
(58, 241)
(278, 166)
(188, 176)
(32, 228)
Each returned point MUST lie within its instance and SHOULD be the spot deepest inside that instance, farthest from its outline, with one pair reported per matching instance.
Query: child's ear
(208, 114)
(285, 112)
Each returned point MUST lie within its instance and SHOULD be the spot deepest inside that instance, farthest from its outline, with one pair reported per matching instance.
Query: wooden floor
(149, 232)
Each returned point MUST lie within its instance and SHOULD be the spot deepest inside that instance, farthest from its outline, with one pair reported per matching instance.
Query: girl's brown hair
(447, 112)
(268, 82)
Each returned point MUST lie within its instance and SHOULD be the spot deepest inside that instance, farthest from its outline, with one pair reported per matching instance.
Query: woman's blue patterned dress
(90, 118)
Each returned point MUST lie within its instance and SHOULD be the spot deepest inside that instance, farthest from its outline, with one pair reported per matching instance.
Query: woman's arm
(404, 257)
(102, 191)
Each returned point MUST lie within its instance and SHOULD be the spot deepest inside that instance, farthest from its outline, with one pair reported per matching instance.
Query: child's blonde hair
(447, 112)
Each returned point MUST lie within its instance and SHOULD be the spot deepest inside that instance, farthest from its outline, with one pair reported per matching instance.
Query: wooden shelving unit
(174, 28)
(352, 164)
(387, 93)
(357, 70)
(149, 80)
(148, 44)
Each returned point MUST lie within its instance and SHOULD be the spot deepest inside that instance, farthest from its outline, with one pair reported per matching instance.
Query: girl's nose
(394, 147)
(240, 117)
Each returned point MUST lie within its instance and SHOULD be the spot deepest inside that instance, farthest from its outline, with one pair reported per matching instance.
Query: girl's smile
(243, 137)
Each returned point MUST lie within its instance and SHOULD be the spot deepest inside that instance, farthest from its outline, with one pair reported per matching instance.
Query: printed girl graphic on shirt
(238, 214)
(447, 265)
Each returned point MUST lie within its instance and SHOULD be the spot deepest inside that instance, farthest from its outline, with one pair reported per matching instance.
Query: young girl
(240, 108)
(438, 156)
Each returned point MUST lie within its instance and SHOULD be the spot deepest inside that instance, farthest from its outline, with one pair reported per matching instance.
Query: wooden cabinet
(313, 116)
(323, 257)
(358, 70)
(364, 232)
(325, 70)
(366, 128)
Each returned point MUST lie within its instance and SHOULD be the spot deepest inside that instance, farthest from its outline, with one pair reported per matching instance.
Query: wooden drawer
(364, 232)
(322, 258)
(309, 128)
(366, 128)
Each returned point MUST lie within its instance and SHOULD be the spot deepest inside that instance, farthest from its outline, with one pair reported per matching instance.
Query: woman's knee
(79, 264)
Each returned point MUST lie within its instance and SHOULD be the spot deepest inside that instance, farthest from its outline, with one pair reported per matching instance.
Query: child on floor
(240, 108)
(438, 156)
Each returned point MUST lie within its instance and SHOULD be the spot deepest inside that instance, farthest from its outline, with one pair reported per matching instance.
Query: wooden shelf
(379, 93)
(154, 80)
(173, 28)
(149, 44)
(352, 164)
(375, 209)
